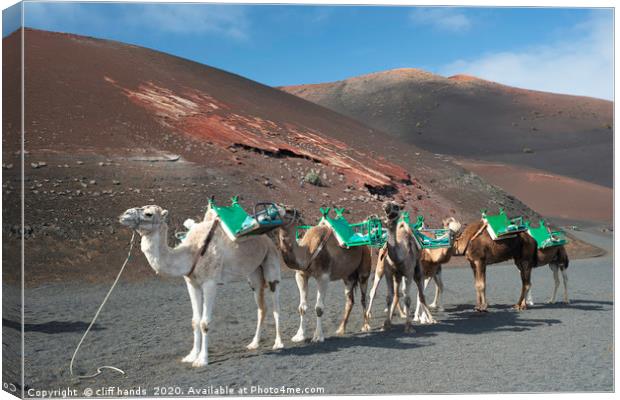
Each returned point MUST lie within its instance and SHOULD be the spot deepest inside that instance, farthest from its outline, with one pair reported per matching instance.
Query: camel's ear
(164, 215)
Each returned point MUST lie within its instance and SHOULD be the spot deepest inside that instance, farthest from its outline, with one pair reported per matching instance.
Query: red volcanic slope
(89, 75)
(202, 116)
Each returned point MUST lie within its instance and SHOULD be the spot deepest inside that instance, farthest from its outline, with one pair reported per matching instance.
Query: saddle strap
(318, 250)
(482, 228)
(203, 249)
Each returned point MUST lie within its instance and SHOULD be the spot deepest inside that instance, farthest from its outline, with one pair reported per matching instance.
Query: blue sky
(559, 50)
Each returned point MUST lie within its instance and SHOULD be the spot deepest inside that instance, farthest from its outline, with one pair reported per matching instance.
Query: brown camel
(430, 262)
(557, 259)
(476, 245)
(319, 255)
(399, 260)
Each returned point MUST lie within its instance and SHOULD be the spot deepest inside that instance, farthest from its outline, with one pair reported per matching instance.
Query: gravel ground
(145, 330)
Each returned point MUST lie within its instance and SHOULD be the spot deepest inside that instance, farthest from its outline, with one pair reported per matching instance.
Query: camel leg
(556, 280)
(373, 290)
(323, 282)
(393, 286)
(529, 299)
(479, 268)
(349, 287)
(402, 311)
(363, 284)
(270, 269)
(257, 285)
(565, 280)
(195, 297)
(436, 304)
(274, 286)
(209, 289)
(407, 299)
(416, 317)
(425, 314)
(302, 285)
(526, 273)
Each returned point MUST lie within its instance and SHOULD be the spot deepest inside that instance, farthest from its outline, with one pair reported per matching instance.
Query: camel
(253, 257)
(430, 262)
(480, 249)
(319, 255)
(557, 259)
(398, 260)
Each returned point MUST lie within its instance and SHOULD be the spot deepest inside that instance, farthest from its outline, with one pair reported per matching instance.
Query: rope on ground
(100, 369)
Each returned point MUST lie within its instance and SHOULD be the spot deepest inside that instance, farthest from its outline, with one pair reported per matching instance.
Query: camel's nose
(128, 217)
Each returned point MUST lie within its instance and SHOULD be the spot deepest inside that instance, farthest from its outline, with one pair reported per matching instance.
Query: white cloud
(581, 64)
(192, 18)
(443, 18)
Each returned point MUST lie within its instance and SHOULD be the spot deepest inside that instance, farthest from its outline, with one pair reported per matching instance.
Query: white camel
(254, 257)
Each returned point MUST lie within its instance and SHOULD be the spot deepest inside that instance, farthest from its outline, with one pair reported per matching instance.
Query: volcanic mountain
(110, 126)
(555, 152)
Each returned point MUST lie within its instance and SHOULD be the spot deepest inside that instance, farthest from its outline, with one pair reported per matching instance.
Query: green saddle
(236, 222)
(501, 227)
(366, 233)
(545, 237)
(427, 238)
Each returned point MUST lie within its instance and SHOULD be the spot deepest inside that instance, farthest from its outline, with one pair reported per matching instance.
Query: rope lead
(100, 369)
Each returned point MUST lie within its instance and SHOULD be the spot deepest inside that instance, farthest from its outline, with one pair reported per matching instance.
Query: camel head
(392, 210)
(291, 218)
(452, 224)
(145, 219)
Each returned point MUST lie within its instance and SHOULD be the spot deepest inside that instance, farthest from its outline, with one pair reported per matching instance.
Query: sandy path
(145, 330)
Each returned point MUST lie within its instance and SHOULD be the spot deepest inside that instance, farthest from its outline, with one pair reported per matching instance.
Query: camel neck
(392, 242)
(163, 259)
(294, 255)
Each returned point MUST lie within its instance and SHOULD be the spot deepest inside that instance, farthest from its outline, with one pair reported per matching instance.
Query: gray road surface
(145, 329)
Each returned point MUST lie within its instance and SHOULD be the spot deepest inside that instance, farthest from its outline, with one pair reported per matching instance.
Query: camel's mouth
(129, 218)
(392, 211)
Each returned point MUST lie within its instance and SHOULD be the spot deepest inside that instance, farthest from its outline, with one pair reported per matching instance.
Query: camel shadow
(585, 305)
(463, 319)
(51, 327)
(393, 338)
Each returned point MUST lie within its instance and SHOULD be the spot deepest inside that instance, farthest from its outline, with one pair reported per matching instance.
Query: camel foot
(366, 327)
(278, 344)
(403, 315)
(551, 301)
(481, 309)
(520, 307)
(318, 339)
(436, 307)
(299, 337)
(190, 358)
(566, 301)
(340, 331)
(253, 345)
(386, 326)
(529, 303)
(200, 362)
(427, 321)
